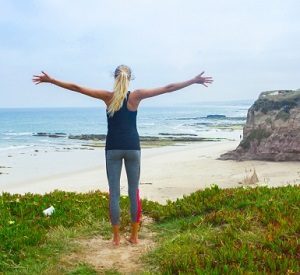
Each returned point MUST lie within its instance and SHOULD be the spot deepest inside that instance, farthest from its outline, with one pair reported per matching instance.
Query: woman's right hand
(199, 79)
(44, 78)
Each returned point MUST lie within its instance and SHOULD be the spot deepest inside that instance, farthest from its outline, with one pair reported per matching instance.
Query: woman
(122, 140)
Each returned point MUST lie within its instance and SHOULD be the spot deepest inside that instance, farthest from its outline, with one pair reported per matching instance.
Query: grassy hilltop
(212, 231)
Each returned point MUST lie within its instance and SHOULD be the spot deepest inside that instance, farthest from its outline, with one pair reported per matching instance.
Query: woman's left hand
(44, 78)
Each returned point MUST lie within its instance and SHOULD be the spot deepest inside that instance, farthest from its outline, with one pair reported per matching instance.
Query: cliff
(272, 129)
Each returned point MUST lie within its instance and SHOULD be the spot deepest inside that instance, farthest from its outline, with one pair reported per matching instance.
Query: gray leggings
(132, 160)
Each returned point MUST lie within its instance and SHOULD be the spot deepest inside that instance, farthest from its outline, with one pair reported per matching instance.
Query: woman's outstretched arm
(146, 93)
(46, 78)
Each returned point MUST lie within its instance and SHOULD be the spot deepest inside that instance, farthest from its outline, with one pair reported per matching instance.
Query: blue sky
(246, 46)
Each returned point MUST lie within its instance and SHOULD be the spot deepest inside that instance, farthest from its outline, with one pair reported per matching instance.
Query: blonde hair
(122, 78)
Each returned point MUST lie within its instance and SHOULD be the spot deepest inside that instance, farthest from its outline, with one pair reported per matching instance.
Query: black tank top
(122, 133)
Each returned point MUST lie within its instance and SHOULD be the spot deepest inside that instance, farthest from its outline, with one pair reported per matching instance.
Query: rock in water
(272, 129)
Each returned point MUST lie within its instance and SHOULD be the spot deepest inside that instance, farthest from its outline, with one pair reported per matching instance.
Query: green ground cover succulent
(212, 231)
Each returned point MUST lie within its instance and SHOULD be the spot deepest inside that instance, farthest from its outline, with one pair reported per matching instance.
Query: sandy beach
(167, 172)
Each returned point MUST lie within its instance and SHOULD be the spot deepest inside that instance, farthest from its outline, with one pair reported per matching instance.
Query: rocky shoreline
(272, 129)
(98, 140)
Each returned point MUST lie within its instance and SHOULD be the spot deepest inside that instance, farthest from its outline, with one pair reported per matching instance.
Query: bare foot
(116, 240)
(132, 240)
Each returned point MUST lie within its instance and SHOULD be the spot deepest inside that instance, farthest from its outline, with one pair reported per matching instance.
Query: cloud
(247, 47)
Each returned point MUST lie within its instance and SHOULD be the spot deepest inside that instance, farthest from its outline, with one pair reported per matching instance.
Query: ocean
(51, 127)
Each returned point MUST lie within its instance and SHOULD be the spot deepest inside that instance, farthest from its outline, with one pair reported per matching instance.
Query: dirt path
(102, 255)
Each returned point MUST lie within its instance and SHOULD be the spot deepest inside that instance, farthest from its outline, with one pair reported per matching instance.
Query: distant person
(122, 141)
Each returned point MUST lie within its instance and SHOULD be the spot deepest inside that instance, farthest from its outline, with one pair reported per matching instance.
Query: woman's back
(122, 132)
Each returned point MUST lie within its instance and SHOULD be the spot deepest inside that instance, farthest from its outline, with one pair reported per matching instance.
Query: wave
(51, 135)
(17, 134)
(15, 147)
(211, 124)
(213, 117)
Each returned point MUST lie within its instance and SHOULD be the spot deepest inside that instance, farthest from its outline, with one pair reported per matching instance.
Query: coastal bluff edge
(272, 129)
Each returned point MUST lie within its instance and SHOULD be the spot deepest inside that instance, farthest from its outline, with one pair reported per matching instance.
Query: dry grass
(250, 178)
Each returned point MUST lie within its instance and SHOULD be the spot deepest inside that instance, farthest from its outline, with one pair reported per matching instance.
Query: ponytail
(121, 85)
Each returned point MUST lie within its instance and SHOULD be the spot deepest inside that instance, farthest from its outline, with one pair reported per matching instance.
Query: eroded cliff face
(272, 129)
